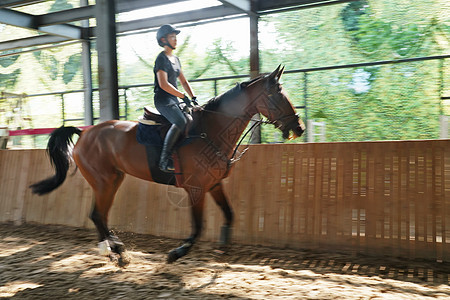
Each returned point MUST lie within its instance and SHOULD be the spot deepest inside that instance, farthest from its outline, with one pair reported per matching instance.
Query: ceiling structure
(56, 27)
(59, 28)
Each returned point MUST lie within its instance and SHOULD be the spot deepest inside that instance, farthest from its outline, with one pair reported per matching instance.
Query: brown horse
(106, 152)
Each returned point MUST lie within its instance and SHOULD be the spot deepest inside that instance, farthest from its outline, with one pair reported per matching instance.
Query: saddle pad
(149, 135)
(153, 154)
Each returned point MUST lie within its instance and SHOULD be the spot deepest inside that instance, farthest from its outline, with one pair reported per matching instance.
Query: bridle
(281, 123)
(278, 122)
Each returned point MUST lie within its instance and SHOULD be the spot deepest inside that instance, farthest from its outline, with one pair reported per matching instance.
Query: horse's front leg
(222, 201)
(197, 199)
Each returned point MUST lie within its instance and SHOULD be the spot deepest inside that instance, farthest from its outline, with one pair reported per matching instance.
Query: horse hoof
(114, 258)
(104, 248)
(124, 260)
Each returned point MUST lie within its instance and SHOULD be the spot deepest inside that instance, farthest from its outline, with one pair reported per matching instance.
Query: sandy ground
(56, 262)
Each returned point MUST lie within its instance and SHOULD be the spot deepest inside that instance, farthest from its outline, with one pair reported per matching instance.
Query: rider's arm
(166, 85)
(187, 87)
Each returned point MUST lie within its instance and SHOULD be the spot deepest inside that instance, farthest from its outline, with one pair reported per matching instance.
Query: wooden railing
(384, 197)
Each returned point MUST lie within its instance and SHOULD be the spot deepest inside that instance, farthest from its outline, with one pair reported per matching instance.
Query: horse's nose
(299, 130)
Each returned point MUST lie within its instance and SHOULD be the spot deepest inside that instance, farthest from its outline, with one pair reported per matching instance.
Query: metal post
(441, 86)
(305, 97)
(254, 47)
(87, 73)
(63, 109)
(107, 60)
(125, 99)
(444, 121)
(254, 66)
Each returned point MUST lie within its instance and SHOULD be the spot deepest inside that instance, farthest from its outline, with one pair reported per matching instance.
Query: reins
(218, 151)
(257, 122)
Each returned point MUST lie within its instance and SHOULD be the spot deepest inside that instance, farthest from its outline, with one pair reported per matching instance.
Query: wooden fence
(385, 197)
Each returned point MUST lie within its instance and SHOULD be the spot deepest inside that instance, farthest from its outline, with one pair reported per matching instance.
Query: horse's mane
(214, 103)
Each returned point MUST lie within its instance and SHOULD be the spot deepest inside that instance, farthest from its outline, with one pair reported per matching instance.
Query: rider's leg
(165, 163)
(173, 113)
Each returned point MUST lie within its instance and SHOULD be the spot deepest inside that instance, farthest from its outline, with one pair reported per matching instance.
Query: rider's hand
(194, 100)
(187, 109)
(187, 101)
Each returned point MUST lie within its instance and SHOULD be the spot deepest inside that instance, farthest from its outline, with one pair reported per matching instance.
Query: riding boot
(166, 162)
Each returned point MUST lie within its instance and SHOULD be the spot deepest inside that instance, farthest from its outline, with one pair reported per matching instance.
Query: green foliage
(60, 5)
(351, 13)
(7, 61)
(399, 101)
(48, 62)
(71, 67)
(8, 80)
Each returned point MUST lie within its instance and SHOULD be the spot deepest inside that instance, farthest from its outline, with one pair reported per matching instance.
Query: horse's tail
(60, 156)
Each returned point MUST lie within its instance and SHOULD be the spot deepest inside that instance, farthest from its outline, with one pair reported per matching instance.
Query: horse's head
(271, 100)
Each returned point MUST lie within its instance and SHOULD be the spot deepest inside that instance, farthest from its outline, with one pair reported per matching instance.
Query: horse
(106, 152)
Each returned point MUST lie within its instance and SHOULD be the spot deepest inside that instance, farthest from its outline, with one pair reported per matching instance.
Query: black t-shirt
(163, 63)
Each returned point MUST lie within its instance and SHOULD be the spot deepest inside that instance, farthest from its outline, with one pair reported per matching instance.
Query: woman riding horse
(167, 69)
(106, 152)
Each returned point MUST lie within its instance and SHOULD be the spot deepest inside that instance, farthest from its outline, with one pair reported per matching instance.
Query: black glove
(187, 101)
(194, 100)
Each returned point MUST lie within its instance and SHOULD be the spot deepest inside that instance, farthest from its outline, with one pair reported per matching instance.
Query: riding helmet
(163, 31)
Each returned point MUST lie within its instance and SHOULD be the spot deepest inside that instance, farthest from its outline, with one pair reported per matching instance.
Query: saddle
(150, 133)
(153, 117)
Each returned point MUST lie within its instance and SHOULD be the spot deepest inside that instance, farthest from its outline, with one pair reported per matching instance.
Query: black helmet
(163, 31)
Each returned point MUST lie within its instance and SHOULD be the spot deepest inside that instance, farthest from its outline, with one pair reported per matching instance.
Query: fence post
(444, 120)
(311, 130)
(63, 110)
(305, 98)
(4, 136)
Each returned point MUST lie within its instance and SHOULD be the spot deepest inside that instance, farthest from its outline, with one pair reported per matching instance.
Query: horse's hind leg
(222, 201)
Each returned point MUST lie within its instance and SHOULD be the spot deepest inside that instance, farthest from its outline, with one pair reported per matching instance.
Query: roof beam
(16, 18)
(86, 12)
(20, 19)
(243, 5)
(129, 5)
(64, 30)
(31, 42)
(268, 6)
(14, 3)
(66, 16)
(184, 17)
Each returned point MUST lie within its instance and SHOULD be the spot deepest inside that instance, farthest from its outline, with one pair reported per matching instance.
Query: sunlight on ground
(243, 280)
(11, 288)
(48, 256)
(7, 250)
(61, 269)
(75, 263)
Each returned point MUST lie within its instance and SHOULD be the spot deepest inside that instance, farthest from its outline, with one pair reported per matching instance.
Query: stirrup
(167, 166)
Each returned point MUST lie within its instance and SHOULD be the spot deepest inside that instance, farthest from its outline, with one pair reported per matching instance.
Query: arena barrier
(389, 198)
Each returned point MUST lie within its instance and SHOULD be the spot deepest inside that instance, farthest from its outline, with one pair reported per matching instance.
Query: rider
(167, 69)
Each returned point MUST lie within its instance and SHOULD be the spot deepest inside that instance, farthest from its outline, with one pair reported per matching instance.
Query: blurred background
(359, 71)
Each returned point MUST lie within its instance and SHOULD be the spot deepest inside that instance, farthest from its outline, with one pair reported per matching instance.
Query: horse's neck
(224, 131)
(227, 123)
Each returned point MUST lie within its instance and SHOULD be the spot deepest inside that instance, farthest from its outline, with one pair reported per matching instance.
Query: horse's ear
(280, 72)
(274, 75)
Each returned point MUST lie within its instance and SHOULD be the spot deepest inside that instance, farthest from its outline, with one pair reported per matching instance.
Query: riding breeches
(168, 107)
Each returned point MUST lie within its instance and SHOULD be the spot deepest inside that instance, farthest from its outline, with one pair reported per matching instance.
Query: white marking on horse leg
(103, 248)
